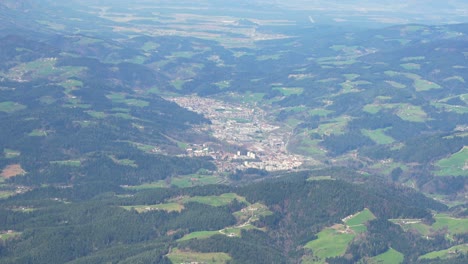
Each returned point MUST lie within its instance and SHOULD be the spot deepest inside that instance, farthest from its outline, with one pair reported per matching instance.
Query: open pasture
(168, 207)
(378, 136)
(331, 242)
(179, 256)
(391, 256)
(447, 253)
(455, 165)
(10, 107)
(10, 153)
(442, 221)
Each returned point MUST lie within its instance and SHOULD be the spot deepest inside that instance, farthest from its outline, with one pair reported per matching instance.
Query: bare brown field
(12, 171)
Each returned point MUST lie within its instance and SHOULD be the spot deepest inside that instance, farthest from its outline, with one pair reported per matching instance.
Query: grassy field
(179, 181)
(223, 199)
(245, 218)
(319, 112)
(320, 178)
(425, 85)
(452, 224)
(44, 67)
(136, 102)
(451, 108)
(178, 203)
(351, 76)
(178, 83)
(357, 221)
(252, 212)
(71, 84)
(455, 78)
(236, 230)
(198, 235)
(348, 87)
(10, 107)
(396, 84)
(5, 194)
(378, 136)
(47, 100)
(194, 180)
(305, 146)
(150, 46)
(336, 126)
(333, 241)
(168, 207)
(419, 83)
(269, 57)
(405, 59)
(38, 133)
(95, 114)
(411, 66)
(179, 256)
(411, 113)
(334, 62)
(123, 115)
(142, 147)
(223, 84)
(390, 257)
(455, 165)
(124, 162)
(10, 153)
(286, 91)
(372, 108)
(6, 236)
(183, 54)
(330, 243)
(386, 166)
(122, 98)
(447, 253)
(146, 186)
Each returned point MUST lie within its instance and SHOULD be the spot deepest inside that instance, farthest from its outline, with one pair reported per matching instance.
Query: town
(251, 141)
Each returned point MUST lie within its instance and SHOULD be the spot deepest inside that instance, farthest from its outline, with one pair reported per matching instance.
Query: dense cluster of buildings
(256, 143)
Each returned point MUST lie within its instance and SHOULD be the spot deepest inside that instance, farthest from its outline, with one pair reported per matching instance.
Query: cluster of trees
(86, 223)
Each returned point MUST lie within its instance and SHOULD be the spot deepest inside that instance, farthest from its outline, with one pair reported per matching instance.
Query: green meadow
(396, 84)
(330, 243)
(333, 241)
(179, 256)
(411, 66)
(220, 200)
(124, 162)
(122, 98)
(447, 253)
(286, 91)
(442, 221)
(199, 235)
(6, 236)
(357, 221)
(10, 107)
(455, 165)
(391, 256)
(38, 133)
(168, 207)
(378, 136)
(10, 153)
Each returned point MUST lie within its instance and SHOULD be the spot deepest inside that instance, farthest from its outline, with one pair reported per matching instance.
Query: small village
(252, 141)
